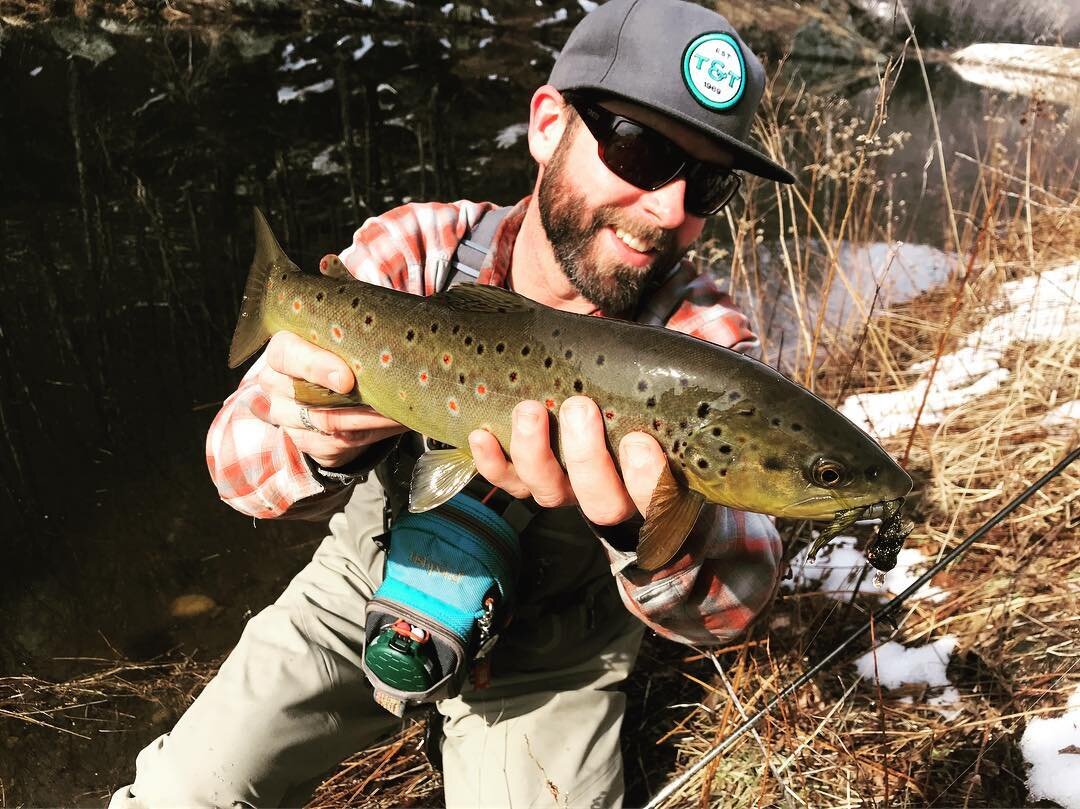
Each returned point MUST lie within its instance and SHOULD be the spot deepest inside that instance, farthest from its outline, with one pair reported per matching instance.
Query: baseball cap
(680, 59)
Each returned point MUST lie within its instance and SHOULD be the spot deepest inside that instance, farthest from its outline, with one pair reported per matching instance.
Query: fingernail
(335, 381)
(526, 421)
(573, 415)
(636, 455)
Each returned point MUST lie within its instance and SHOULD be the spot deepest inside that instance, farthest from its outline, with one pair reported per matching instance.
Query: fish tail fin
(251, 332)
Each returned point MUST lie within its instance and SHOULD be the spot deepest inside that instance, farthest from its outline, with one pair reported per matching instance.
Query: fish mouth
(886, 543)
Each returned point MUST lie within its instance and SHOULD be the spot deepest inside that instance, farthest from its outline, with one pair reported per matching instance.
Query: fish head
(799, 459)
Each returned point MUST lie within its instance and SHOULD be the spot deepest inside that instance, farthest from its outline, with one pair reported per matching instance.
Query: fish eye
(827, 473)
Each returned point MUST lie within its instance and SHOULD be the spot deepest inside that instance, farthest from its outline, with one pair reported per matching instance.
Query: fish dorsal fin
(332, 267)
(439, 474)
(480, 298)
(312, 395)
(672, 512)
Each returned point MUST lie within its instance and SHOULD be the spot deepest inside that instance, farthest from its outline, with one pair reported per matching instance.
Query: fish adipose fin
(483, 299)
(312, 395)
(439, 474)
(672, 513)
(251, 333)
(332, 267)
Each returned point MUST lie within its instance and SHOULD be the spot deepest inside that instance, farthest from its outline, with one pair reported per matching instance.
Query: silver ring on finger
(305, 419)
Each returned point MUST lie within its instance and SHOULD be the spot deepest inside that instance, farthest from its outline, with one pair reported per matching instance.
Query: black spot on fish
(461, 379)
(702, 463)
(776, 422)
(525, 351)
(656, 424)
(456, 329)
(500, 348)
(558, 383)
(725, 449)
(650, 402)
(284, 275)
(642, 386)
(355, 302)
(434, 328)
(716, 431)
(684, 382)
(773, 464)
(468, 339)
(569, 354)
(369, 320)
(501, 310)
(548, 361)
(723, 473)
(734, 396)
(599, 359)
(556, 332)
(703, 410)
(479, 348)
(578, 387)
(513, 376)
(682, 424)
(340, 290)
(676, 445)
(796, 426)
(669, 431)
(319, 296)
(410, 335)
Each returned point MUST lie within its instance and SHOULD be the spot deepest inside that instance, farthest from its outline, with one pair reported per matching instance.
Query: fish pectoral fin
(673, 510)
(312, 395)
(481, 298)
(439, 474)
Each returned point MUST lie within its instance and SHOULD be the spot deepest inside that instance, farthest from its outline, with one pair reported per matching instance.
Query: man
(637, 137)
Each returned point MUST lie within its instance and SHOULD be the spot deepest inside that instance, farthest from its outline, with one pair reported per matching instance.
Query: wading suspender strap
(474, 248)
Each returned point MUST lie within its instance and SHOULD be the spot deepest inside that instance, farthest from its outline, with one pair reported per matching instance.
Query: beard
(572, 226)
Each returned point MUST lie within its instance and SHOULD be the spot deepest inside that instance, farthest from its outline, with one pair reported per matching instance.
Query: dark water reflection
(125, 234)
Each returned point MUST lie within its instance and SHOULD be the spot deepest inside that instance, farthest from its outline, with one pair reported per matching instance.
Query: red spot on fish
(447, 360)
(423, 378)
(385, 358)
(336, 333)
(609, 415)
(452, 406)
(513, 377)
(313, 336)
(357, 367)
(549, 404)
(369, 321)
(281, 296)
(481, 391)
(297, 305)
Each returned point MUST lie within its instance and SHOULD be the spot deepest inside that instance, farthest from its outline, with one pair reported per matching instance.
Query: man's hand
(591, 478)
(333, 437)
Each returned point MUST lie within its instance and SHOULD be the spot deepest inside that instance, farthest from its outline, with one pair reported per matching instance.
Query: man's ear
(547, 123)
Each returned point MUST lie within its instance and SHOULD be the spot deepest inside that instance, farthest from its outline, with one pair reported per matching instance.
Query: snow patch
(286, 94)
(367, 42)
(1052, 748)
(1037, 309)
(899, 665)
(1063, 419)
(511, 135)
(324, 163)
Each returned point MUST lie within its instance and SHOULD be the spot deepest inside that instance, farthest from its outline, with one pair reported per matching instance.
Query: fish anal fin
(672, 512)
(312, 395)
(484, 299)
(439, 474)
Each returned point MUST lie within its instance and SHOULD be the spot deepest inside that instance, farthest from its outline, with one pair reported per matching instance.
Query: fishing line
(882, 613)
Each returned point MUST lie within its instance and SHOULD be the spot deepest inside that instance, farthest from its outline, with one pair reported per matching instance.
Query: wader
(291, 701)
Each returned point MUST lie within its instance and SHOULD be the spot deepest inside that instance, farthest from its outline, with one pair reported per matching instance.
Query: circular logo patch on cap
(714, 70)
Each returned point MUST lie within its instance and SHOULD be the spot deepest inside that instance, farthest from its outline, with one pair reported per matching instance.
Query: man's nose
(667, 204)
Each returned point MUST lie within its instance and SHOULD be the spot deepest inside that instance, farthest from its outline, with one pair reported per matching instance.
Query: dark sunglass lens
(640, 156)
(708, 189)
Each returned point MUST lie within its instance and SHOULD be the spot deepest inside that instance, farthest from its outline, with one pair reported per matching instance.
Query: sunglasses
(646, 159)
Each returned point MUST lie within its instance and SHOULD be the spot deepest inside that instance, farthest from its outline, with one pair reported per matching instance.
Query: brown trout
(735, 431)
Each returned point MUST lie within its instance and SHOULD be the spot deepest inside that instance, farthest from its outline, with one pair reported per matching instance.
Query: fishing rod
(883, 612)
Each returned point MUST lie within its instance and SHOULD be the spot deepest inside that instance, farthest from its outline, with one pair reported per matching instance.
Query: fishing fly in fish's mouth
(887, 541)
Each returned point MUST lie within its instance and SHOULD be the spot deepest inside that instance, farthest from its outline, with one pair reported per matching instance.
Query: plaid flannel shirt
(729, 569)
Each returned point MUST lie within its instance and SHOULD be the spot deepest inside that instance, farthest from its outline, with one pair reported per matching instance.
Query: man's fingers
(492, 464)
(534, 462)
(295, 357)
(642, 460)
(285, 411)
(596, 482)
